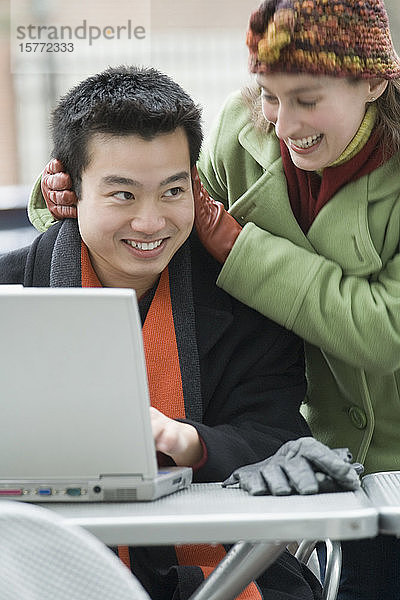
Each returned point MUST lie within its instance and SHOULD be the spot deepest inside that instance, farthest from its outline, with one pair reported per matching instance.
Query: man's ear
(376, 88)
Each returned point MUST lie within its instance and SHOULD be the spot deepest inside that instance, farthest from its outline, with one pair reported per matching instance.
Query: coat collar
(266, 203)
(213, 324)
(213, 306)
(258, 144)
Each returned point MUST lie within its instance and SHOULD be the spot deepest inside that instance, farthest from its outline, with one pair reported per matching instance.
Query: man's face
(136, 206)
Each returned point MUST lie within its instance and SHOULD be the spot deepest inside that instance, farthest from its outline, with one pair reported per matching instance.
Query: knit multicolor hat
(341, 38)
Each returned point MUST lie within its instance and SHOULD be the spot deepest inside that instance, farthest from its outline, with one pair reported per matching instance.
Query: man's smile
(144, 245)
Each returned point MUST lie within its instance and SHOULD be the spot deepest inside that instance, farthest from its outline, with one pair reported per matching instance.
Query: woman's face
(316, 117)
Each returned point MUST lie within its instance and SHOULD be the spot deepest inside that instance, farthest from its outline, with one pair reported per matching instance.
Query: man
(225, 383)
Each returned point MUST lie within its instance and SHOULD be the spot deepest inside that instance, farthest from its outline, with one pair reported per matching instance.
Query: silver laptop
(75, 421)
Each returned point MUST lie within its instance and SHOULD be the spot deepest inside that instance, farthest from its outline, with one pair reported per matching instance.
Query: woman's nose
(286, 124)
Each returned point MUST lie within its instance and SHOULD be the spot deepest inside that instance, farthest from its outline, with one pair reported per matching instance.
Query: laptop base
(107, 488)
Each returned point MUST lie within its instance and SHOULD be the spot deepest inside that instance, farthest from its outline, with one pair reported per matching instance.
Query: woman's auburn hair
(388, 113)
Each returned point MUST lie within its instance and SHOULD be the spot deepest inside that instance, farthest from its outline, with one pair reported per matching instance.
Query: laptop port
(11, 492)
(44, 491)
(76, 491)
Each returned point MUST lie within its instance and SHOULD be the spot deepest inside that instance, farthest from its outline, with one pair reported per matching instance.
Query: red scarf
(166, 394)
(308, 192)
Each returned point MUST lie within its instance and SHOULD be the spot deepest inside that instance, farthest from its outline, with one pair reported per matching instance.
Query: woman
(309, 164)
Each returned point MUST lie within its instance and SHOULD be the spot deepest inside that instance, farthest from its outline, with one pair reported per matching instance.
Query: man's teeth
(306, 142)
(144, 245)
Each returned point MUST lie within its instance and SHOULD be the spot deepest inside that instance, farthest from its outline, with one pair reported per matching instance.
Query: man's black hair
(121, 101)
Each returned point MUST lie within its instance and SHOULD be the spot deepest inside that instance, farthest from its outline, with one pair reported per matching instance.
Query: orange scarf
(166, 394)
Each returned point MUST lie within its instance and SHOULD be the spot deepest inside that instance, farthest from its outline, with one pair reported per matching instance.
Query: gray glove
(303, 466)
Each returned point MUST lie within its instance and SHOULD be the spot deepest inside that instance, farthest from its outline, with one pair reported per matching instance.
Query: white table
(259, 527)
(383, 489)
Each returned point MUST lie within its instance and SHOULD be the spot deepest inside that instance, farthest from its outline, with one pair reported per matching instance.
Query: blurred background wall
(200, 43)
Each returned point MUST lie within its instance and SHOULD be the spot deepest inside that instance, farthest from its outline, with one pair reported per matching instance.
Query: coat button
(358, 417)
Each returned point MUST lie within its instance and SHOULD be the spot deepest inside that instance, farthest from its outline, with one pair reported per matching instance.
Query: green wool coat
(338, 287)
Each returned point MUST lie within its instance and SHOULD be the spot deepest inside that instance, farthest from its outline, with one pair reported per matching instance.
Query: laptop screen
(74, 389)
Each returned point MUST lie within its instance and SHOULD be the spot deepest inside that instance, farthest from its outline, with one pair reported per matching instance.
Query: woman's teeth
(144, 245)
(306, 142)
